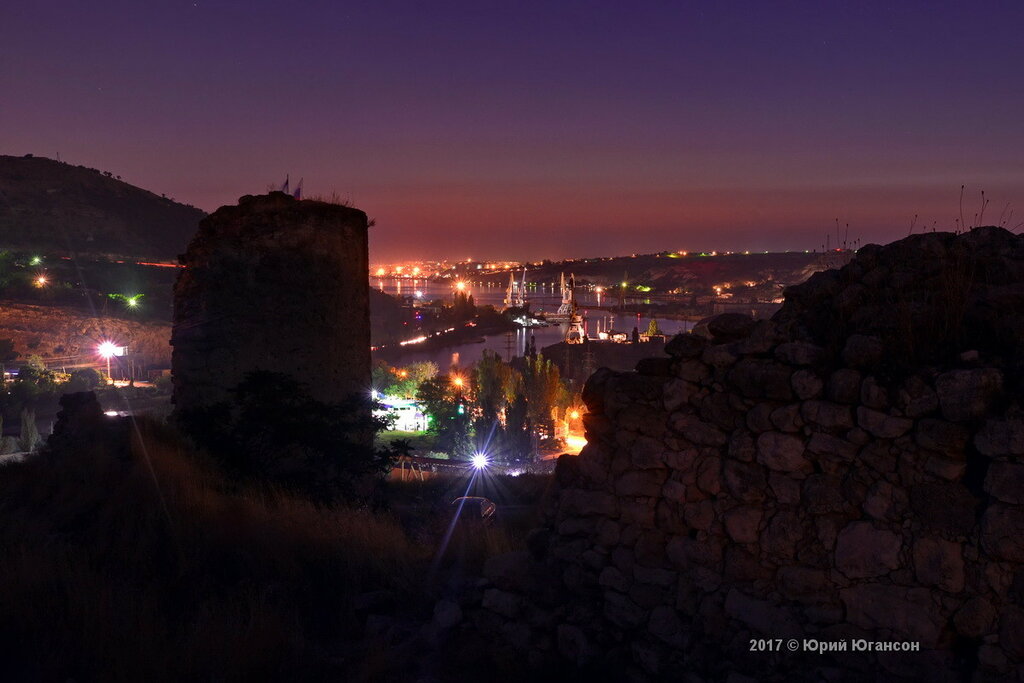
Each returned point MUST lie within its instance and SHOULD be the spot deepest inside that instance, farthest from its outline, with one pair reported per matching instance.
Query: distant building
(406, 414)
(613, 335)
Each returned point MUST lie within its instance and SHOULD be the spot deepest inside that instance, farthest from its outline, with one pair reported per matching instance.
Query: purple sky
(539, 128)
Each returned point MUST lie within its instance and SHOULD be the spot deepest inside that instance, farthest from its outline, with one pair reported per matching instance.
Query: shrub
(275, 432)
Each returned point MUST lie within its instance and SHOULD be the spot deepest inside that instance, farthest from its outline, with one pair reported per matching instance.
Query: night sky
(539, 128)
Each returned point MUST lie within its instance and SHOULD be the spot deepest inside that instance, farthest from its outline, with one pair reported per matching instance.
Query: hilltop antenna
(284, 185)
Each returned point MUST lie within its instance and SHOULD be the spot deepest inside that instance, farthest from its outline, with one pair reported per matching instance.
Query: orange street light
(458, 381)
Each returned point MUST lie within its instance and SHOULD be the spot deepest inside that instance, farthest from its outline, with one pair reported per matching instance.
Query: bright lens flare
(460, 286)
(107, 350)
(480, 461)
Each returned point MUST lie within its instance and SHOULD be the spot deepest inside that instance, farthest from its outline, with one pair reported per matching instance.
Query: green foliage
(544, 391)
(7, 352)
(274, 431)
(33, 386)
(494, 385)
(401, 382)
(464, 307)
(83, 379)
(29, 439)
(516, 440)
(421, 372)
(163, 384)
(449, 413)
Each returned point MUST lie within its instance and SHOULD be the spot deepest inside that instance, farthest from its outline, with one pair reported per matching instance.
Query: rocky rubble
(850, 469)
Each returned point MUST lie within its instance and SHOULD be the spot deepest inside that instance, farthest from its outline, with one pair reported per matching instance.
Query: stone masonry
(850, 469)
(275, 284)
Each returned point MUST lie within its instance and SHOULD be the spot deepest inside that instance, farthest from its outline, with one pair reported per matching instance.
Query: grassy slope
(114, 571)
(149, 566)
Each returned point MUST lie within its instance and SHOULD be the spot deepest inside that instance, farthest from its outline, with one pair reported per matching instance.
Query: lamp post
(106, 351)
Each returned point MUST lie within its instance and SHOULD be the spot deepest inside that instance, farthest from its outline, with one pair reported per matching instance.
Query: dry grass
(150, 566)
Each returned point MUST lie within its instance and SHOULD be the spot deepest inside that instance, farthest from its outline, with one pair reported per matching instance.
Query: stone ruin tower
(276, 284)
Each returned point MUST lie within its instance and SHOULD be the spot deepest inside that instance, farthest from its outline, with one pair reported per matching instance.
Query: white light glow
(107, 349)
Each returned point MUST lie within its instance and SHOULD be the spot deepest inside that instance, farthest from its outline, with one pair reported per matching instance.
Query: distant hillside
(54, 207)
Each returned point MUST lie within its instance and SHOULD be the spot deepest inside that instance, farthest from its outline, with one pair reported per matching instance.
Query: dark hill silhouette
(55, 207)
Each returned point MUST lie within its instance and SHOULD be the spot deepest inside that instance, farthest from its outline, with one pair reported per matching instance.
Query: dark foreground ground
(126, 558)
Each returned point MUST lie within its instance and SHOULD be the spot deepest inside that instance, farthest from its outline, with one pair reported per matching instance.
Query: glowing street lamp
(107, 350)
(41, 281)
(458, 381)
(480, 461)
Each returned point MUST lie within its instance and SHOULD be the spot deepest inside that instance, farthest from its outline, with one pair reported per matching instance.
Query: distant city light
(414, 340)
(416, 270)
(41, 281)
(381, 272)
(460, 285)
(36, 260)
(419, 294)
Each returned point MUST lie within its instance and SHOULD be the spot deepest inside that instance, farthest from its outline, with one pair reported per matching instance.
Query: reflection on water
(544, 296)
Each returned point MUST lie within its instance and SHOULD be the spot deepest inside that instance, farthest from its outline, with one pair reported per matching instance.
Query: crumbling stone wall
(276, 284)
(820, 477)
